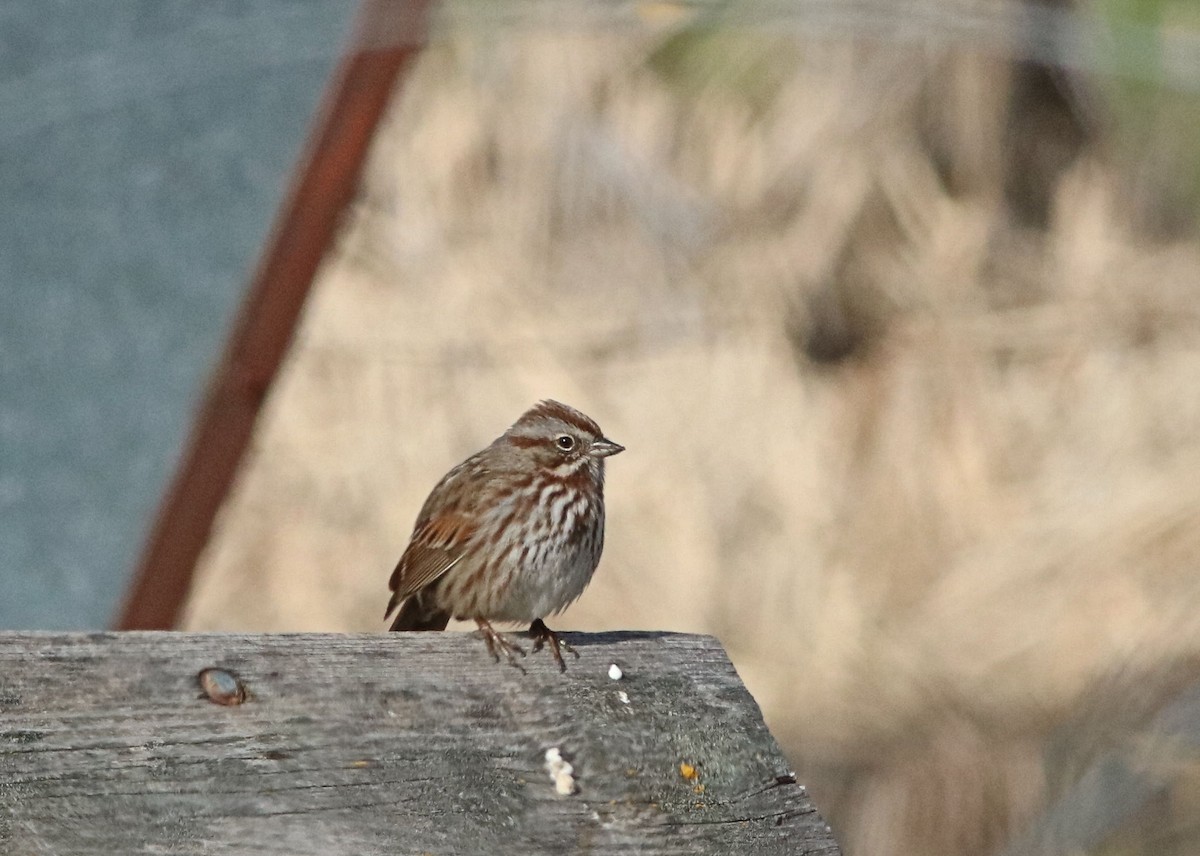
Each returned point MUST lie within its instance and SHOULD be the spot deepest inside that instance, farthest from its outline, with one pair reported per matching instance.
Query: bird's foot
(496, 643)
(541, 634)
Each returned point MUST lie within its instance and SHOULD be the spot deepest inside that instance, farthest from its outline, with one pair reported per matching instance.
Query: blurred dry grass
(909, 389)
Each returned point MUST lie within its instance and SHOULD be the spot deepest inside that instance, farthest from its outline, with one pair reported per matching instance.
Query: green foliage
(706, 55)
(1155, 108)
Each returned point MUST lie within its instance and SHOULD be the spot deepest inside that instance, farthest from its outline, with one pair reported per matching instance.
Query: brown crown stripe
(550, 409)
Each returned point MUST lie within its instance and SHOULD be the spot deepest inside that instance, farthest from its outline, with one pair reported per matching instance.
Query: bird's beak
(603, 447)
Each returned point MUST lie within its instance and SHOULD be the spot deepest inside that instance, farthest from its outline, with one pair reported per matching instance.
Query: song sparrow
(513, 533)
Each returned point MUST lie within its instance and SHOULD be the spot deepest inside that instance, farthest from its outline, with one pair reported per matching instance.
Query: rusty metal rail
(387, 37)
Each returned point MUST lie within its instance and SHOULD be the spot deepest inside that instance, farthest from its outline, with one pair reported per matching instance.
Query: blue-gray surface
(144, 146)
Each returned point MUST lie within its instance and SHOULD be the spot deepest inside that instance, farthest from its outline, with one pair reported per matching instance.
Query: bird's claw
(496, 643)
(541, 634)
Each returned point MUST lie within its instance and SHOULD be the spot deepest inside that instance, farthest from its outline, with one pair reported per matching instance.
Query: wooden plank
(388, 35)
(386, 744)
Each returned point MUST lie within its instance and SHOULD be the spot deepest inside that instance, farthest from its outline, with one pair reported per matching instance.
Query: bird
(512, 534)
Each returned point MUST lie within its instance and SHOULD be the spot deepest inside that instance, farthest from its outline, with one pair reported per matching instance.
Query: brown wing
(437, 545)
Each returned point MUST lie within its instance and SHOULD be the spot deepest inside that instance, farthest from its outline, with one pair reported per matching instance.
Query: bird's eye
(565, 442)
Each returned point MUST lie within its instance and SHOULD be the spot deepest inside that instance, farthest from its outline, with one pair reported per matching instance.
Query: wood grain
(385, 743)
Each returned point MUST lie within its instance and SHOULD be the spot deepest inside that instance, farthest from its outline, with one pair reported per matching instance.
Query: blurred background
(896, 306)
(143, 151)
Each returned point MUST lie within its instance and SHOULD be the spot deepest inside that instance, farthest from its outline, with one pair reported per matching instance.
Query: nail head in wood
(222, 686)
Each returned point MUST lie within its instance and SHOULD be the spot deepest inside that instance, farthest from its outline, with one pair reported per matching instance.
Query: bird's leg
(541, 634)
(496, 642)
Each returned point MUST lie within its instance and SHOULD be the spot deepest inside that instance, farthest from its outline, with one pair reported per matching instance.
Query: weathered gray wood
(385, 744)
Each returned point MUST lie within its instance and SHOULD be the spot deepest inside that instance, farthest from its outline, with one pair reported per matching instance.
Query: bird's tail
(414, 616)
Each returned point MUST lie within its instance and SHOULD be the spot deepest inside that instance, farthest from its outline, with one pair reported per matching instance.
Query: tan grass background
(927, 469)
